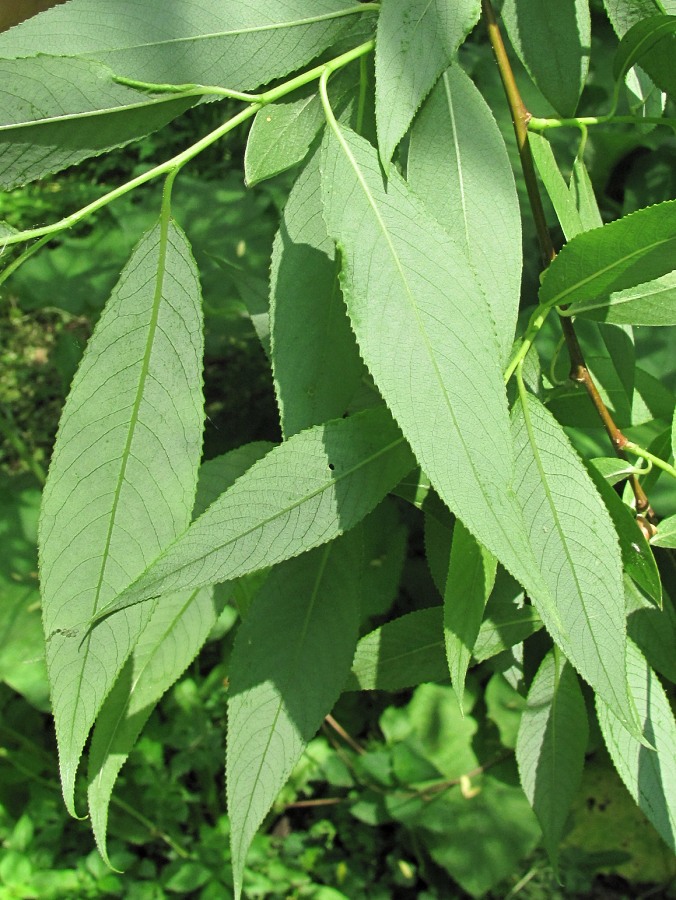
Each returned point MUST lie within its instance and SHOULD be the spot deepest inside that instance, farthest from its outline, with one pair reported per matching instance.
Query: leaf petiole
(635, 450)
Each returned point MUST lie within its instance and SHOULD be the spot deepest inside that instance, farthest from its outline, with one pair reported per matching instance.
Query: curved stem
(634, 449)
(537, 124)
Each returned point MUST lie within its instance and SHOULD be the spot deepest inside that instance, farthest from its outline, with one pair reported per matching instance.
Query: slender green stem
(178, 161)
(186, 89)
(634, 449)
(21, 259)
(363, 85)
(537, 124)
(535, 323)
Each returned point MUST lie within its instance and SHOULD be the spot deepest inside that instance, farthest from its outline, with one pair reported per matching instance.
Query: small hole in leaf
(331, 466)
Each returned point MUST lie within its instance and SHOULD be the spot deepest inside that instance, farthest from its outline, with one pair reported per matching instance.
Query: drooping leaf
(315, 360)
(415, 42)
(652, 629)
(410, 650)
(649, 303)
(555, 184)
(470, 579)
(551, 745)
(171, 639)
(583, 194)
(577, 547)
(385, 550)
(305, 492)
(425, 332)
(553, 41)
(649, 774)
(458, 165)
(630, 251)
(279, 693)
(122, 480)
(637, 557)
(237, 45)
(666, 533)
(612, 468)
(55, 112)
(282, 133)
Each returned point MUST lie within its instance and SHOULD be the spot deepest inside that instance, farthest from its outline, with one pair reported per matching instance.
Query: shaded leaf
(630, 251)
(551, 745)
(237, 45)
(583, 194)
(280, 694)
(666, 533)
(458, 165)
(648, 303)
(553, 41)
(171, 639)
(122, 479)
(316, 367)
(649, 775)
(652, 629)
(306, 491)
(650, 42)
(415, 42)
(558, 191)
(612, 468)
(577, 547)
(470, 579)
(55, 112)
(625, 13)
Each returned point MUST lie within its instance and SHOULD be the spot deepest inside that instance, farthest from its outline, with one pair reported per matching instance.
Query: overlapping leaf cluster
(394, 299)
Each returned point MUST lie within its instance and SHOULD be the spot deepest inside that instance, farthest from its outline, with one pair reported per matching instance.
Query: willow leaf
(630, 251)
(305, 492)
(55, 112)
(649, 774)
(551, 745)
(426, 334)
(578, 552)
(625, 13)
(415, 42)
(471, 193)
(279, 695)
(558, 191)
(470, 579)
(122, 479)
(316, 367)
(226, 42)
(649, 303)
(553, 41)
(171, 639)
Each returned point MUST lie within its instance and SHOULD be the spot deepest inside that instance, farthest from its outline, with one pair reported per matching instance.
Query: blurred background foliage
(399, 796)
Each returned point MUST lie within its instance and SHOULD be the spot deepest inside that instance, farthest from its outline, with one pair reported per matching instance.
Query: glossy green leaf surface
(55, 112)
(458, 165)
(415, 317)
(169, 642)
(583, 195)
(415, 42)
(648, 303)
(623, 254)
(666, 533)
(470, 579)
(573, 535)
(625, 13)
(652, 43)
(316, 364)
(551, 745)
(122, 479)
(238, 45)
(649, 775)
(279, 695)
(305, 492)
(553, 41)
(554, 183)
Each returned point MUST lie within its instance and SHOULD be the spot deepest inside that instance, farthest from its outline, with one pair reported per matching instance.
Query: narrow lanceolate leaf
(415, 42)
(426, 334)
(583, 194)
(282, 133)
(280, 692)
(652, 629)
(226, 42)
(625, 13)
(650, 303)
(122, 480)
(55, 112)
(471, 193)
(666, 533)
(652, 43)
(623, 254)
(649, 775)
(305, 492)
(315, 360)
(170, 641)
(470, 579)
(577, 548)
(551, 745)
(558, 191)
(552, 40)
